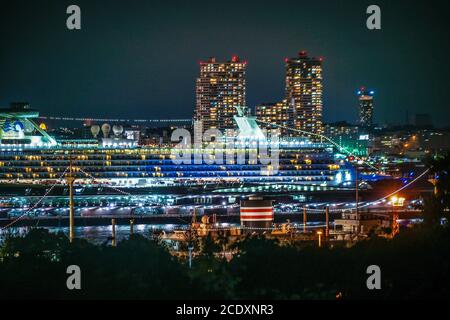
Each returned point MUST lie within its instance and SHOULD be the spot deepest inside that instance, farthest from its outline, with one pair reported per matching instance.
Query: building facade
(349, 138)
(340, 129)
(304, 88)
(273, 116)
(220, 88)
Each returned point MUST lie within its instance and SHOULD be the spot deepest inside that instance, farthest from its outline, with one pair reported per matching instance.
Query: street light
(396, 201)
(319, 233)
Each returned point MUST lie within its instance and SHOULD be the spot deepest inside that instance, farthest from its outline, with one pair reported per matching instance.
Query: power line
(340, 147)
(112, 119)
(107, 186)
(37, 203)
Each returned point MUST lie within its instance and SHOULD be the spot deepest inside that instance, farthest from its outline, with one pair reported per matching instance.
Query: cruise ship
(30, 157)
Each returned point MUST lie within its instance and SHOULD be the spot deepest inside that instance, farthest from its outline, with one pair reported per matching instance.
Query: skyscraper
(220, 88)
(365, 99)
(272, 115)
(304, 92)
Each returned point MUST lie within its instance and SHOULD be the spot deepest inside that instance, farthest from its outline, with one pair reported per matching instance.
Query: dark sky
(140, 58)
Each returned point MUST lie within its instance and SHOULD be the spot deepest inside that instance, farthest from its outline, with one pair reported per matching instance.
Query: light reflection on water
(101, 234)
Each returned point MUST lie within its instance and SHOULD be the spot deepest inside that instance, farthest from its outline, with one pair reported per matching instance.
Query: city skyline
(220, 88)
(366, 108)
(282, 103)
(129, 62)
(156, 150)
(304, 91)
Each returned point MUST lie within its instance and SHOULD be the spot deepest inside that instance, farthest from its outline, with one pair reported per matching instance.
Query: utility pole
(191, 242)
(190, 248)
(113, 237)
(395, 227)
(194, 215)
(304, 219)
(356, 191)
(70, 180)
(131, 228)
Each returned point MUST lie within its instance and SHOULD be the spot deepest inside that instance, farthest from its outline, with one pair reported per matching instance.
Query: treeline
(416, 264)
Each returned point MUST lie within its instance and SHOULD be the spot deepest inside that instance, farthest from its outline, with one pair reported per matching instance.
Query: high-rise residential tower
(365, 100)
(220, 88)
(304, 86)
(273, 115)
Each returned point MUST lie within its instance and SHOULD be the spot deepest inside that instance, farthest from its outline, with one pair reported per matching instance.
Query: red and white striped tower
(257, 214)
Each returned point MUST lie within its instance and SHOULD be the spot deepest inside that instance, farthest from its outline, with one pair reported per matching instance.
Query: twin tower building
(221, 88)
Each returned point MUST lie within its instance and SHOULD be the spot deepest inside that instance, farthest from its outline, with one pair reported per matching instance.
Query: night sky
(140, 59)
